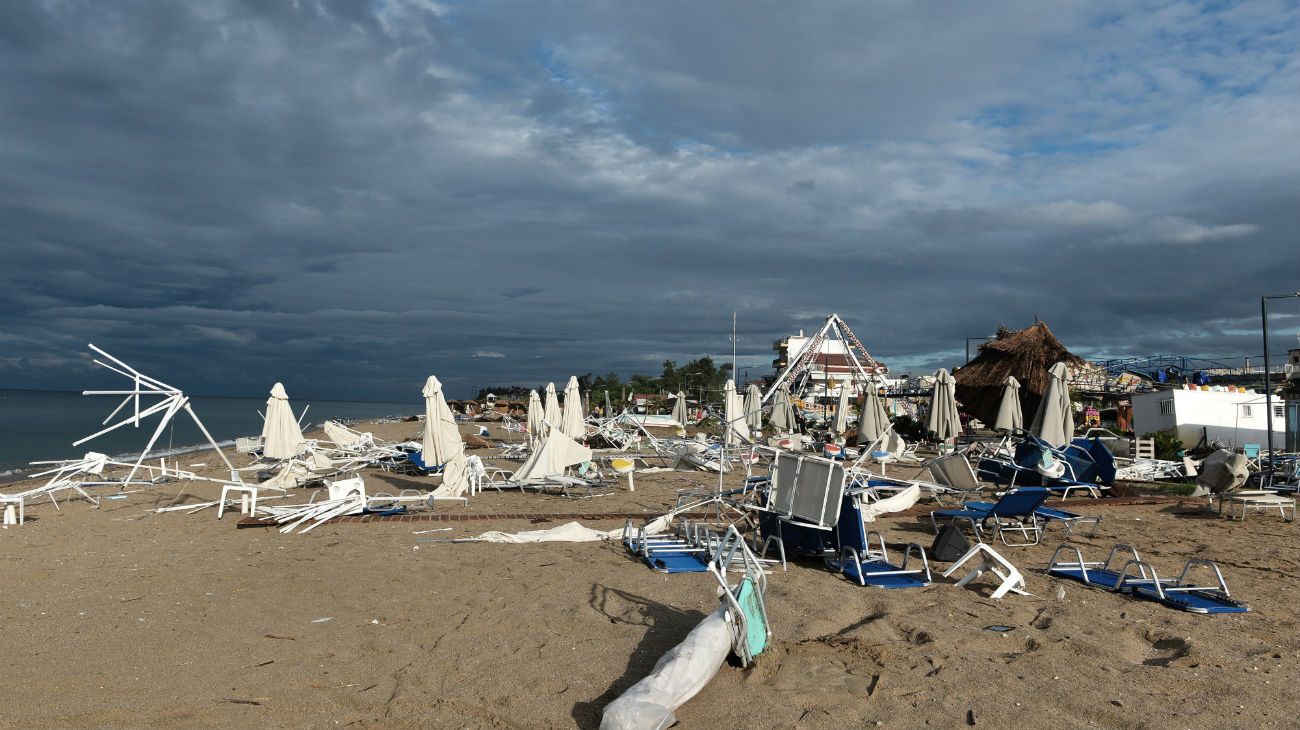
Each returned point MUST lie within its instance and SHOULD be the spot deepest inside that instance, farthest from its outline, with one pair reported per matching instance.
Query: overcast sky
(350, 196)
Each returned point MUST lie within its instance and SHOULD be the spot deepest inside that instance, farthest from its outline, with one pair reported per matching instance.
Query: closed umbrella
(841, 422)
(1010, 416)
(609, 409)
(552, 410)
(782, 418)
(754, 408)
(944, 422)
(281, 436)
(734, 414)
(679, 409)
(873, 421)
(442, 443)
(1054, 422)
(535, 418)
(573, 420)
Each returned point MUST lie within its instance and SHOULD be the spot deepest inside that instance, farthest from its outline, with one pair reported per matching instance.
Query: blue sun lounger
(1146, 583)
(1185, 596)
(1050, 515)
(668, 554)
(1098, 575)
(869, 566)
(1015, 511)
(417, 460)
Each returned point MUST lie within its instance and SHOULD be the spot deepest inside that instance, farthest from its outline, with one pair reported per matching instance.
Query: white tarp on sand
(571, 532)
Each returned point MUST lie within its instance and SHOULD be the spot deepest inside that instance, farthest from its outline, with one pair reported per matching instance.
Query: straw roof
(1026, 354)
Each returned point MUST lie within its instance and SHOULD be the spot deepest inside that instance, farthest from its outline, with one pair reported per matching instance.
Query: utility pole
(1268, 386)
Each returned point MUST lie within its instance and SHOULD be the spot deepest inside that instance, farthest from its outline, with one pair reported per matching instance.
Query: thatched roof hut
(1026, 354)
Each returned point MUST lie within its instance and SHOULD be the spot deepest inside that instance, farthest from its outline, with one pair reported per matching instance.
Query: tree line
(699, 379)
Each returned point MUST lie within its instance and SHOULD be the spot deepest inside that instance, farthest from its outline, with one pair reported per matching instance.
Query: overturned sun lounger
(1138, 577)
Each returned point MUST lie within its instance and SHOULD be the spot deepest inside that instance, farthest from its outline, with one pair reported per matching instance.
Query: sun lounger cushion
(675, 562)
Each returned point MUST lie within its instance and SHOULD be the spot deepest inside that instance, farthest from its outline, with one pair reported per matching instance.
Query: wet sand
(114, 619)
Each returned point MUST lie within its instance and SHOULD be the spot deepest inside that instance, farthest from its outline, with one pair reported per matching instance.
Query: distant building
(1224, 414)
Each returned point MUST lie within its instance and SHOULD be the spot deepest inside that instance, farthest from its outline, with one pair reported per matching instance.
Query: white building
(1221, 414)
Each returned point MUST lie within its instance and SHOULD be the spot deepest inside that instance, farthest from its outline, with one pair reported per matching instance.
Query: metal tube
(1268, 390)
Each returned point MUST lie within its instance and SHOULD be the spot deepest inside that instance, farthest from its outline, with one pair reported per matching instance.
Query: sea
(41, 425)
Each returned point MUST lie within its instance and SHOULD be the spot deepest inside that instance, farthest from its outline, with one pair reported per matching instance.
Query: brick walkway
(494, 517)
(920, 510)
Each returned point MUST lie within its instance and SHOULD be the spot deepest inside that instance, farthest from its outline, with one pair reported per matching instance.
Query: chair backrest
(807, 489)
(953, 471)
(1021, 502)
(1250, 450)
(849, 530)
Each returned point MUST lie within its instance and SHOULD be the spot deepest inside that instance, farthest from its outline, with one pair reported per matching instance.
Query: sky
(348, 197)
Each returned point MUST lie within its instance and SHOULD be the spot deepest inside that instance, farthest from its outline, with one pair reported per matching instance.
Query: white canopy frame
(796, 371)
(173, 401)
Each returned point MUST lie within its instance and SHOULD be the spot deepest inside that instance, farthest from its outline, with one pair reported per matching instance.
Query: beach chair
(1099, 575)
(954, 475)
(1014, 512)
(745, 599)
(1051, 515)
(1181, 594)
(868, 565)
(1037, 463)
(681, 553)
(417, 461)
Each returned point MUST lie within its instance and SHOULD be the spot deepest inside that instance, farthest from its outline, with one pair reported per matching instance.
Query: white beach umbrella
(1054, 422)
(734, 414)
(609, 409)
(782, 418)
(535, 416)
(556, 453)
(441, 443)
(552, 410)
(1010, 416)
(679, 409)
(754, 408)
(842, 410)
(573, 420)
(281, 436)
(944, 422)
(873, 420)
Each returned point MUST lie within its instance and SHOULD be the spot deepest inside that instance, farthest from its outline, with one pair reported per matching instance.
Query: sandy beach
(120, 618)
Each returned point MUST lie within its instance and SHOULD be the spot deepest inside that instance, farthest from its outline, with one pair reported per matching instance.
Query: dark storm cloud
(350, 196)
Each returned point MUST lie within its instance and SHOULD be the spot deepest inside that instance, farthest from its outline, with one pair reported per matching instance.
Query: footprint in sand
(1172, 649)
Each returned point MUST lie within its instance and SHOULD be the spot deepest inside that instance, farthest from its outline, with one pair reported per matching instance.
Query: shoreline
(21, 474)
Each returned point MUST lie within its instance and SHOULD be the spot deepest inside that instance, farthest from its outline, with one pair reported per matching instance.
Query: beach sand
(114, 619)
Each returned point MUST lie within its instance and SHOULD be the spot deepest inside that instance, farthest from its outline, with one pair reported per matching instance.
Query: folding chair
(746, 605)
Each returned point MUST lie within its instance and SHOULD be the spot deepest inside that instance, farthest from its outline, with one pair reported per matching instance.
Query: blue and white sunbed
(866, 565)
